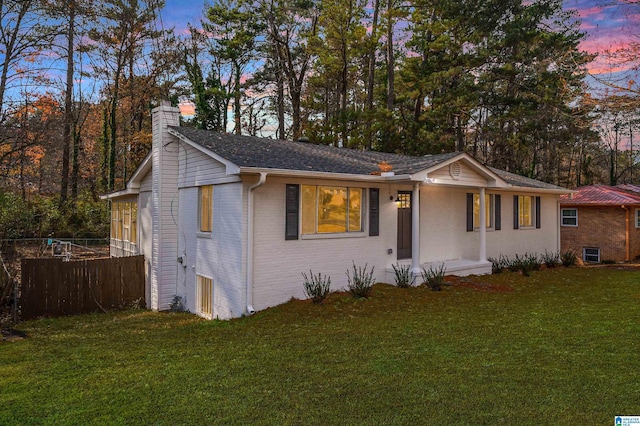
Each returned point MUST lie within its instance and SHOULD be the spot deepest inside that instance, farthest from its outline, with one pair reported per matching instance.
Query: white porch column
(483, 228)
(415, 229)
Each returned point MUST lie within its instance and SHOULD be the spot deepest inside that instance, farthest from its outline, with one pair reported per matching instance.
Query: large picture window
(331, 209)
(205, 217)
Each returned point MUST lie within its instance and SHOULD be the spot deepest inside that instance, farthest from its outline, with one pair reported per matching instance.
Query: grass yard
(559, 347)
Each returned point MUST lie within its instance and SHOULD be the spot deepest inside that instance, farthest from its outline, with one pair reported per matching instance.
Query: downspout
(626, 237)
(250, 216)
(559, 224)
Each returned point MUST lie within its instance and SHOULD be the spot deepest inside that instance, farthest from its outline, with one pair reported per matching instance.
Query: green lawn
(559, 347)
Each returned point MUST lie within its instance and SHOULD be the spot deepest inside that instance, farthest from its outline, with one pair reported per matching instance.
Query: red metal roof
(630, 188)
(603, 195)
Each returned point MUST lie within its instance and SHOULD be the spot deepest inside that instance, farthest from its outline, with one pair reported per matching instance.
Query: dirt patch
(11, 335)
(474, 284)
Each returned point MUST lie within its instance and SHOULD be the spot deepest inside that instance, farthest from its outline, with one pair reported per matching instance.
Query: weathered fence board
(51, 287)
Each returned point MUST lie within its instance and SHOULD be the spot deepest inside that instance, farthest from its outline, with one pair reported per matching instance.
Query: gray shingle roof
(517, 180)
(249, 151)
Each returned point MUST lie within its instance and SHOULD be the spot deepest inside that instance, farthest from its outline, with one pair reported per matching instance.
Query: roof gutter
(250, 241)
(319, 175)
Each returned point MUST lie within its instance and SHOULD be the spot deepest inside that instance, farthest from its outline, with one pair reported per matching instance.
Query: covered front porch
(425, 243)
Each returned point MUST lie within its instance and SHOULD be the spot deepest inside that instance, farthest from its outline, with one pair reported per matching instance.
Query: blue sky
(609, 24)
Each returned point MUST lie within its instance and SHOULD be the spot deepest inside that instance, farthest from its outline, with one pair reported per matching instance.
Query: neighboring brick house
(602, 222)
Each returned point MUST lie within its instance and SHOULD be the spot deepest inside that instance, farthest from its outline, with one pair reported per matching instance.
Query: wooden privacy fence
(51, 287)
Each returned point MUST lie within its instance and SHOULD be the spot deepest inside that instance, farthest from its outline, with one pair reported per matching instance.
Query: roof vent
(455, 170)
(303, 139)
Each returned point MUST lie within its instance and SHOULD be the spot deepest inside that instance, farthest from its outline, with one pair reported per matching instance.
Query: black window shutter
(374, 212)
(292, 212)
(469, 212)
(515, 213)
(497, 214)
(538, 222)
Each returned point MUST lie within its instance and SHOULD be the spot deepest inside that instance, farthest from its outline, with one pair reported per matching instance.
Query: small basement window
(204, 296)
(591, 254)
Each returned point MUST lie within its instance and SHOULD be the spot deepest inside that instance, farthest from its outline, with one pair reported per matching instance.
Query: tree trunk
(280, 99)
(390, 58)
(371, 76)
(236, 101)
(75, 164)
(68, 106)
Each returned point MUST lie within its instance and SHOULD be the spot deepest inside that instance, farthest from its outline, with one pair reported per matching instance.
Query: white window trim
(562, 217)
(584, 254)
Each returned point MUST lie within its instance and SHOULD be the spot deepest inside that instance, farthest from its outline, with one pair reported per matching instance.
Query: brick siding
(603, 228)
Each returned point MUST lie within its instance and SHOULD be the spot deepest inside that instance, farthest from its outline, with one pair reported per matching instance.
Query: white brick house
(228, 223)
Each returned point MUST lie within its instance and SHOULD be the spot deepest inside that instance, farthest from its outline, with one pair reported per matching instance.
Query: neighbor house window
(637, 218)
(204, 296)
(569, 217)
(206, 208)
(489, 209)
(591, 254)
(525, 211)
(331, 209)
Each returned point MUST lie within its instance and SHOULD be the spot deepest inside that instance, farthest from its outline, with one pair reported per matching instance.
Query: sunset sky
(609, 24)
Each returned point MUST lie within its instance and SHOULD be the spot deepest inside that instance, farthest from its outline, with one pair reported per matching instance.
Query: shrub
(176, 304)
(316, 287)
(403, 276)
(551, 259)
(569, 258)
(500, 264)
(515, 264)
(533, 261)
(361, 282)
(434, 278)
(526, 263)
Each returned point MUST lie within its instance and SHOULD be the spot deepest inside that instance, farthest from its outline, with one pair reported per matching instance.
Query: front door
(404, 225)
